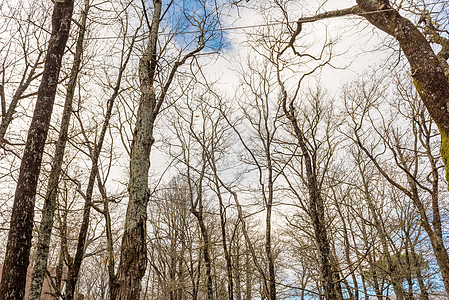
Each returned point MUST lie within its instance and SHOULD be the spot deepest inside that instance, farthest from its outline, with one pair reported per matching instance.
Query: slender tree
(22, 48)
(95, 156)
(46, 225)
(21, 225)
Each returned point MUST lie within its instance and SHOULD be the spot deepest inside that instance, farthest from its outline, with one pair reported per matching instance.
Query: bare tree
(153, 91)
(95, 156)
(412, 160)
(22, 58)
(427, 68)
(46, 225)
(21, 225)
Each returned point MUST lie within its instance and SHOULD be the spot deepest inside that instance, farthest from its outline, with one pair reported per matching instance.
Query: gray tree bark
(133, 255)
(46, 225)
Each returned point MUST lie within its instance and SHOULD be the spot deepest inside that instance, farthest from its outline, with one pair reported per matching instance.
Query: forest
(214, 149)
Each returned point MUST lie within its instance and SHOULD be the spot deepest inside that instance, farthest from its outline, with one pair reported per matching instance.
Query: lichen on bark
(445, 152)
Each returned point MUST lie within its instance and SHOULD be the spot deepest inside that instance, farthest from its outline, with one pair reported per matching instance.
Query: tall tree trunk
(268, 248)
(21, 225)
(59, 271)
(352, 291)
(95, 155)
(46, 225)
(133, 256)
(207, 260)
(393, 267)
(227, 251)
(109, 239)
(316, 203)
(424, 295)
(237, 255)
(248, 277)
(197, 210)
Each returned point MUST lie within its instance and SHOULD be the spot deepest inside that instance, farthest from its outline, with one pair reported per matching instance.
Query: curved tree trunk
(426, 69)
(21, 225)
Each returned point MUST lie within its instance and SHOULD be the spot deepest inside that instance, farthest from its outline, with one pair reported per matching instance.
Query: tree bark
(268, 247)
(21, 225)
(226, 250)
(197, 210)
(248, 277)
(133, 256)
(46, 225)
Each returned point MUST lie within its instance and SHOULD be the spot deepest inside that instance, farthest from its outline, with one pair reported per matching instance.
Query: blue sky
(187, 15)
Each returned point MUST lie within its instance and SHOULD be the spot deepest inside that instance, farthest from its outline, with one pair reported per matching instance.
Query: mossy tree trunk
(133, 256)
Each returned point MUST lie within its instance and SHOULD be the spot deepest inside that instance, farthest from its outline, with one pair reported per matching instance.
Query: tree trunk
(197, 210)
(133, 256)
(59, 271)
(424, 295)
(392, 266)
(249, 277)
(46, 225)
(21, 225)
(237, 276)
(205, 248)
(227, 251)
(352, 291)
(109, 239)
(268, 248)
(316, 205)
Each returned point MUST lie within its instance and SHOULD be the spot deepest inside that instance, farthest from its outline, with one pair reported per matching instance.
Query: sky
(355, 45)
